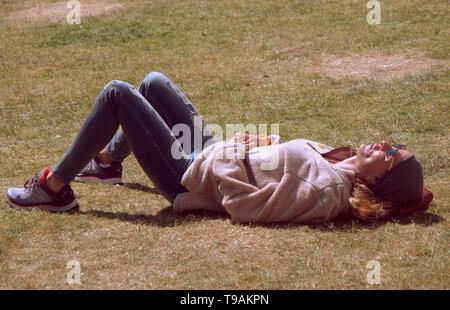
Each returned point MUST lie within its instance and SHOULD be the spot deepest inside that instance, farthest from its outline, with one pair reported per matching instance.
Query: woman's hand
(251, 141)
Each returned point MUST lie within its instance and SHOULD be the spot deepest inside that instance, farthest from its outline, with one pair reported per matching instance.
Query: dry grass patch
(57, 11)
(379, 68)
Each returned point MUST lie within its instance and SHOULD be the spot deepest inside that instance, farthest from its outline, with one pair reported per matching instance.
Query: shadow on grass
(342, 224)
(346, 224)
(164, 218)
(169, 218)
(421, 218)
(142, 188)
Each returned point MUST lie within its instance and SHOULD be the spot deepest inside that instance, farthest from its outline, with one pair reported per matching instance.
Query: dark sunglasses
(399, 146)
(394, 152)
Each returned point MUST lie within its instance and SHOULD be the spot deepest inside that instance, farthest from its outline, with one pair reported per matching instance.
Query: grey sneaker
(36, 195)
(94, 173)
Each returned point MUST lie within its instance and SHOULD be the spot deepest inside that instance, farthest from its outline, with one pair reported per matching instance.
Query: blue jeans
(146, 116)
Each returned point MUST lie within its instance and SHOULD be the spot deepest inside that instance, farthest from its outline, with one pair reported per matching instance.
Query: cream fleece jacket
(287, 182)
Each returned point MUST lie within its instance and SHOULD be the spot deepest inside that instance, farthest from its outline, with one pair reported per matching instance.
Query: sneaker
(94, 173)
(36, 195)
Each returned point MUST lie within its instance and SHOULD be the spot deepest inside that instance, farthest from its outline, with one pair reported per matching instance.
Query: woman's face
(373, 162)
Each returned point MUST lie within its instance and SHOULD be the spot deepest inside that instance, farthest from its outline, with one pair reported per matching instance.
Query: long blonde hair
(366, 206)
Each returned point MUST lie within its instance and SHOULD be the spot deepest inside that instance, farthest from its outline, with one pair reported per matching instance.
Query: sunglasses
(392, 153)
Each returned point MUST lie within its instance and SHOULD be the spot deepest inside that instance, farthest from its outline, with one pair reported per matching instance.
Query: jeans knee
(117, 86)
(118, 93)
(152, 80)
(154, 76)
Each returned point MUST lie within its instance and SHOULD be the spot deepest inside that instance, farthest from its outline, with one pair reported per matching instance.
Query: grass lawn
(316, 68)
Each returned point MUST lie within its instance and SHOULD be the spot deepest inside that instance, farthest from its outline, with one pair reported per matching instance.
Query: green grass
(238, 62)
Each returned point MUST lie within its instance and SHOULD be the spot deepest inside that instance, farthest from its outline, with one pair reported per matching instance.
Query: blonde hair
(366, 206)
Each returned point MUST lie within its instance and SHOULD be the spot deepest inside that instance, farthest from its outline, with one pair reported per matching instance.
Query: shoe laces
(31, 183)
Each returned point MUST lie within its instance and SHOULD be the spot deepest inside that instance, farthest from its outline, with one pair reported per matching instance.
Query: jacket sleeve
(242, 200)
(290, 200)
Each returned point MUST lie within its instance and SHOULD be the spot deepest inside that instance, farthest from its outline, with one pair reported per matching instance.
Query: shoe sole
(44, 207)
(87, 179)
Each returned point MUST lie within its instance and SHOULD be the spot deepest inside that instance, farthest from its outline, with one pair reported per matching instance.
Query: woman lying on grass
(378, 181)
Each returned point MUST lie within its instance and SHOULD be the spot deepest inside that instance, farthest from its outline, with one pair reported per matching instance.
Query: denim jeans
(146, 117)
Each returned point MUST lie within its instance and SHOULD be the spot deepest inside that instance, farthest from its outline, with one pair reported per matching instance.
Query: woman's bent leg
(175, 108)
(146, 133)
